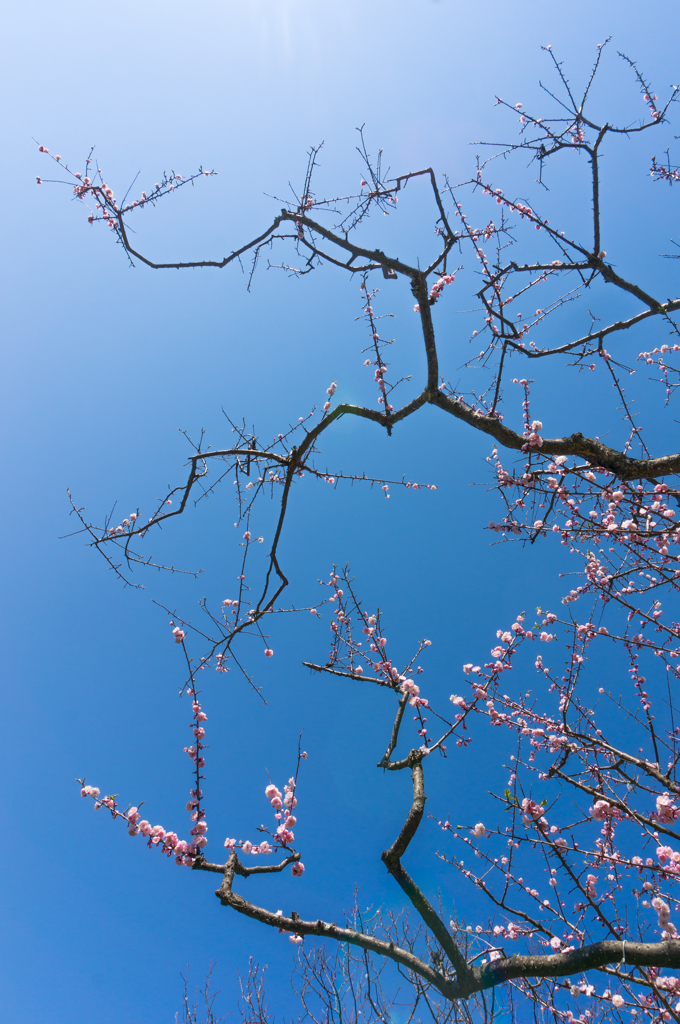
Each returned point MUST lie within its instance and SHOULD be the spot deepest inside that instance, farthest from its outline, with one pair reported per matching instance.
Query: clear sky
(103, 364)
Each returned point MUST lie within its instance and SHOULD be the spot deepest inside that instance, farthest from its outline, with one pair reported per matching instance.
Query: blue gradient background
(103, 364)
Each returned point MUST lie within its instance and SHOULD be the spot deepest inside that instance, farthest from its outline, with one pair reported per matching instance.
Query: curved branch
(328, 930)
(597, 454)
(391, 859)
(197, 263)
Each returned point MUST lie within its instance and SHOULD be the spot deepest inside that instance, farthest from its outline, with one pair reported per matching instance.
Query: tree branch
(325, 929)
(391, 859)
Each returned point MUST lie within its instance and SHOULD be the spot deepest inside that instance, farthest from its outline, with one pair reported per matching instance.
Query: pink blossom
(531, 810)
(409, 687)
(666, 811)
(601, 810)
(297, 869)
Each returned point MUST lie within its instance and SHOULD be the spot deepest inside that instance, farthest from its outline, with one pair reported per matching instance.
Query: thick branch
(392, 862)
(634, 954)
(328, 930)
(415, 815)
(374, 255)
(596, 453)
(474, 979)
(200, 864)
(385, 760)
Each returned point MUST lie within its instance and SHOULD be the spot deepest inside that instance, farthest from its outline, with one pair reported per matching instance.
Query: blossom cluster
(615, 859)
(330, 391)
(125, 525)
(664, 173)
(283, 805)
(184, 852)
(438, 287)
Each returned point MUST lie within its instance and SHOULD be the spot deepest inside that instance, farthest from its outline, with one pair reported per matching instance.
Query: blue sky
(103, 364)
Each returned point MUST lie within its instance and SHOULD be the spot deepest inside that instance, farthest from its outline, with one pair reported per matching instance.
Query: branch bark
(392, 860)
(327, 930)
